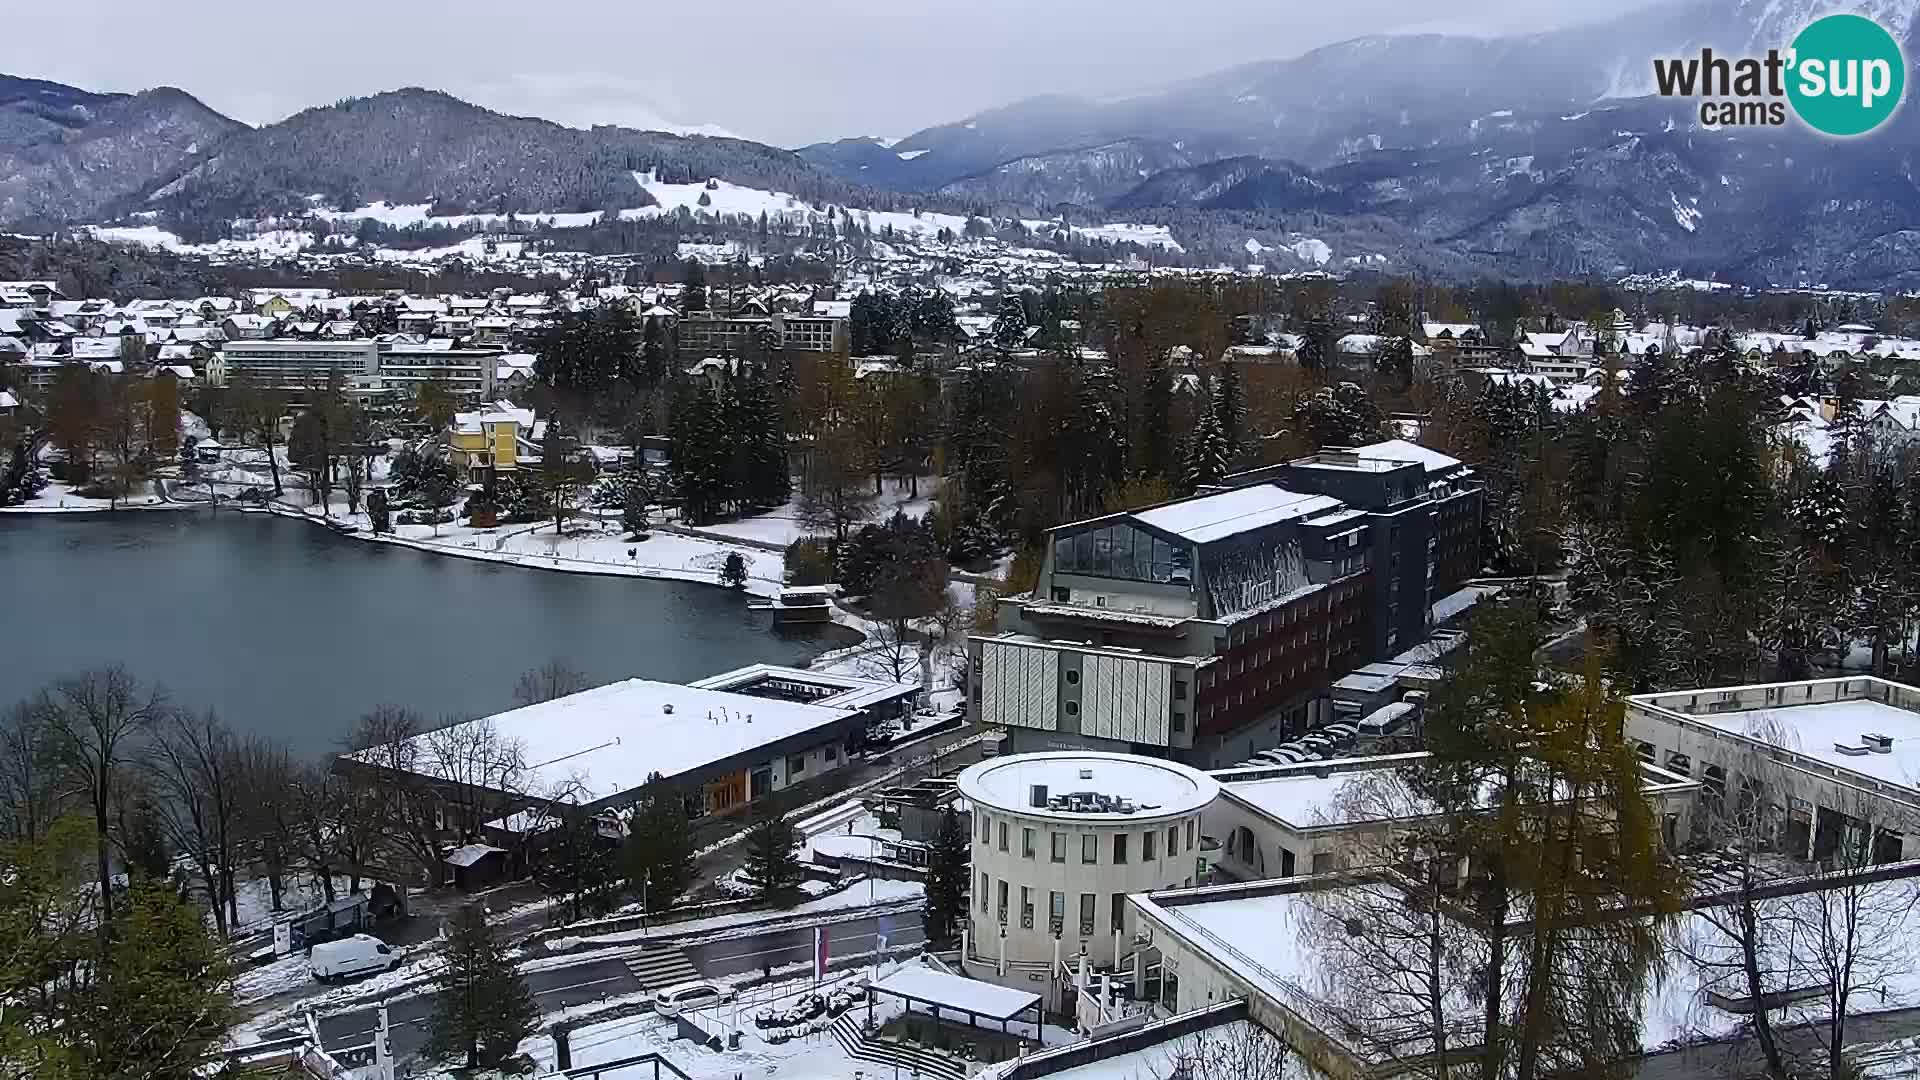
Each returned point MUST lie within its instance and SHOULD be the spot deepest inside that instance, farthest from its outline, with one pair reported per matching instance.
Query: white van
(347, 957)
(674, 1000)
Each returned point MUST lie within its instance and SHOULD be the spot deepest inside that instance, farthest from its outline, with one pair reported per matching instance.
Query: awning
(956, 992)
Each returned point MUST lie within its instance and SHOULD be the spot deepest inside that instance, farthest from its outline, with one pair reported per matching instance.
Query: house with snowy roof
(724, 742)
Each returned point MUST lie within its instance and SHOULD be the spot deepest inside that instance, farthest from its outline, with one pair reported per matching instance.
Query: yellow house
(275, 307)
(496, 436)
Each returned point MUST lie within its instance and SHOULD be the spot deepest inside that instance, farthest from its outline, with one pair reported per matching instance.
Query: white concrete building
(1059, 840)
(1326, 816)
(1840, 757)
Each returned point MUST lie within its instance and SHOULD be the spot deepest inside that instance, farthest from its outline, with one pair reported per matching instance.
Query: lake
(291, 631)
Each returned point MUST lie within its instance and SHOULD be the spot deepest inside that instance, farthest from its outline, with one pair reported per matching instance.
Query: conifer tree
(771, 862)
(1156, 418)
(947, 871)
(578, 866)
(1206, 460)
(659, 849)
(484, 1008)
(1230, 406)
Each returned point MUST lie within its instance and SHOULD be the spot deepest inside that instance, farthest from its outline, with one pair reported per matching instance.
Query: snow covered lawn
(781, 525)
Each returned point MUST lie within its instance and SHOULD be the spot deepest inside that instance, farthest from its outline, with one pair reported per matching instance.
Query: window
(1057, 912)
(1286, 863)
(1087, 903)
(1119, 912)
(1073, 677)
(1059, 847)
(796, 764)
(1026, 908)
(1073, 708)
(831, 753)
(1173, 841)
(986, 828)
(1179, 721)
(1089, 848)
(1179, 689)
(1003, 836)
(1119, 849)
(983, 894)
(1003, 900)
(1026, 843)
(1190, 830)
(1146, 845)
(1645, 749)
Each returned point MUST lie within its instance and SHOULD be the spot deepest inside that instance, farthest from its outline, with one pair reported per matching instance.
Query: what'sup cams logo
(1843, 76)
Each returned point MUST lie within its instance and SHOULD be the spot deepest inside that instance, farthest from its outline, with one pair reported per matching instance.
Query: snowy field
(781, 525)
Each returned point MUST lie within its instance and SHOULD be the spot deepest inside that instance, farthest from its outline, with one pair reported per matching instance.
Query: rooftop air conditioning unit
(1086, 774)
(1851, 751)
(1037, 796)
(1878, 743)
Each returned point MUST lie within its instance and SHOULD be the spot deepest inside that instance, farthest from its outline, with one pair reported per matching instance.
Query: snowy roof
(845, 691)
(1229, 513)
(8, 401)
(833, 309)
(1451, 329)
(472, 853)
(924, 984)
(1812, 729)
(1402, 450)
(1305, 800)
(609, 739)
(1156, 788)
(1359, 343)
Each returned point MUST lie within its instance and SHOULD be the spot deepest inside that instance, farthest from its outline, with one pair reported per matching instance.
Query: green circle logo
(1845, 75)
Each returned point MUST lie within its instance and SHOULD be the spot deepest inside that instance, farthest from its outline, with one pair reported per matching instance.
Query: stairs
(908, 1059)
(657, 968)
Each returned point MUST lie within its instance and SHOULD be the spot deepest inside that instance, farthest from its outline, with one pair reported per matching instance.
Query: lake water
(291, 631)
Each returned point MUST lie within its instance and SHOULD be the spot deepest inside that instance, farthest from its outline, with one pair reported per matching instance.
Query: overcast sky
(786, 72)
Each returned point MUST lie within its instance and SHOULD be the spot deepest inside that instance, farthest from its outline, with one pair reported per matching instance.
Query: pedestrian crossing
(655, 968)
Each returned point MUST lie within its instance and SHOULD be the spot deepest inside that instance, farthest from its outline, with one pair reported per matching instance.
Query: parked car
(361, 954)
(698, 994)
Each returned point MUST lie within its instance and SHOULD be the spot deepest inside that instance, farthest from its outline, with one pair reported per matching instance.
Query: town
(1228, 541)
(1365, 678)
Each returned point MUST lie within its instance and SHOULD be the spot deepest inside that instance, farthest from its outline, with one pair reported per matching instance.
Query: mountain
(1529, 154)
(1082, 176)
(416, 146)
(67, 153)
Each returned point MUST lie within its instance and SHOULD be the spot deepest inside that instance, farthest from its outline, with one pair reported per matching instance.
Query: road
(597, 979)
(742, 956)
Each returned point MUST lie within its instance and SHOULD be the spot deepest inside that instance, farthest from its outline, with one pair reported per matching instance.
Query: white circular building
(1059, 840)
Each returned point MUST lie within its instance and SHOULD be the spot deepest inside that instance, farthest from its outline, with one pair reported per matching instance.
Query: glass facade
(1122, 551)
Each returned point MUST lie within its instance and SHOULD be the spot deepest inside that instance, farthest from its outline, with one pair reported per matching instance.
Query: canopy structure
(938, 990)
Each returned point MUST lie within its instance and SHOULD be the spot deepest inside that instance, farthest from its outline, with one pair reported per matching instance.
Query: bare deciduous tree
(29, 778)
(271, 821)
(194, 768)
(1853, 931)
(1242, 1050)
(94, 721)
(553, 679)
(1397, 969)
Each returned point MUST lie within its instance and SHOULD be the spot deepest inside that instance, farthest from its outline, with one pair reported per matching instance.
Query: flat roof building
(1840, 757)
(596, 749)
(1059, 840)
(1322, 816)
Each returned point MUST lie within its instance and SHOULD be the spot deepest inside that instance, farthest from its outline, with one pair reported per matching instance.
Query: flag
(819, 953)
